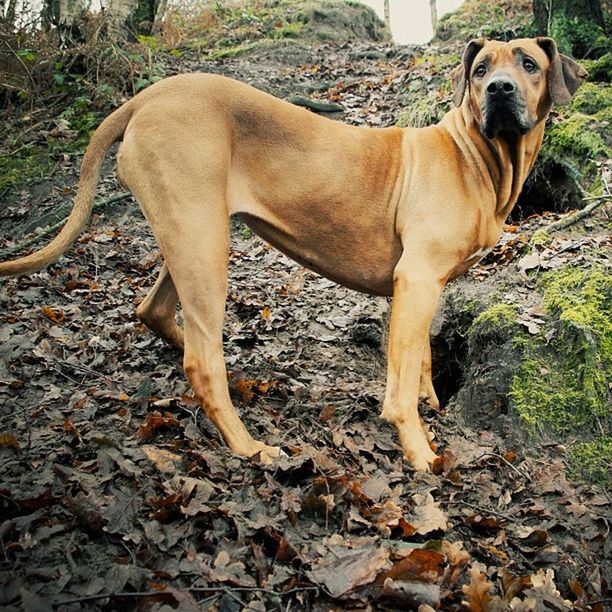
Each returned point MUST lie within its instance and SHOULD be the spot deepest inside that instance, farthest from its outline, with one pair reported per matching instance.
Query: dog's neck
(504, 161)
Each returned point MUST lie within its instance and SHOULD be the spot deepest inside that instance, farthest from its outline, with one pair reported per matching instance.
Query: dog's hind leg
(158, 310)
(198, 261)
(192, 230)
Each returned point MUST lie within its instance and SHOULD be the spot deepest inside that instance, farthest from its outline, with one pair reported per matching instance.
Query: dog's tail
(110, 131)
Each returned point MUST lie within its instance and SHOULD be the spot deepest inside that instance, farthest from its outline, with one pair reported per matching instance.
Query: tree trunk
(387, 15)
(119, 19)
(128, 18)
(434, 15)
(578, 27)
(160, 12)
(7, 12)
(66, 16)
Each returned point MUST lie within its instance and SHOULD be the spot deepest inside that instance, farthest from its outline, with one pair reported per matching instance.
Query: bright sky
(411, 19)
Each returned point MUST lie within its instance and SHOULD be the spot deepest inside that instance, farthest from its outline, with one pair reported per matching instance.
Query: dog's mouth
(505, 117)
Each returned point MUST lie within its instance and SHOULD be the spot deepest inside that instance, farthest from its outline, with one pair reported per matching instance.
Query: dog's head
(512, 86)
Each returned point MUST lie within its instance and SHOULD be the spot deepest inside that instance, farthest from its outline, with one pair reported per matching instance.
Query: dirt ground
(117, 493)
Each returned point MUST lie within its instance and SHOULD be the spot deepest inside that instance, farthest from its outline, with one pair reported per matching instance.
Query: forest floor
(117, 493)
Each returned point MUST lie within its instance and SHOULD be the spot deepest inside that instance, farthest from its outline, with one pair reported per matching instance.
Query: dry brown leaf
(339, 575)
(8, 440)
(478, 592)
(164, 460)
(427, 514)
(53, 314)
(422, 565)
(154, 421)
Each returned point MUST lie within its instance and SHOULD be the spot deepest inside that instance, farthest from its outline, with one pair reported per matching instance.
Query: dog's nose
(500, 87)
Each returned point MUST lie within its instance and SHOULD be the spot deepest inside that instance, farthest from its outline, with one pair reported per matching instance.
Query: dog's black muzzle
(504, 108)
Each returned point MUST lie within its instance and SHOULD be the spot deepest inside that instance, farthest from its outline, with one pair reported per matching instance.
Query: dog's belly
(352, 261)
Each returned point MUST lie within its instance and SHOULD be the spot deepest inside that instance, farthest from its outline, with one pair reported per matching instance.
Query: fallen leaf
(427, 514)
(342, 574)
(164, 460)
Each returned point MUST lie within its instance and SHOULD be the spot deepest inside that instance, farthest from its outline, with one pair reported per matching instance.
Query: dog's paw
(423, 462)
(266, 454)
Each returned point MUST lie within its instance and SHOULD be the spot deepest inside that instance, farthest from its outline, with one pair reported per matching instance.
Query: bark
(160, 12)
(119, 19)
(387, 15)
(434, 15)
(128, 18)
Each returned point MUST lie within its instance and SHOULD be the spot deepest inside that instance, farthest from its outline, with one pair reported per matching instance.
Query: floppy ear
(564, 74)
(461, 74)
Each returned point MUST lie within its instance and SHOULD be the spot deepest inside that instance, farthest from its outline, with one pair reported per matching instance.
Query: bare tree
(387, 15)
(434, 15)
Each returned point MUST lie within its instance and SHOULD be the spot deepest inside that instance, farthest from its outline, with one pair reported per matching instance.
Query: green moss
(600, 69)
(561, 386)
(540, 238)
(29, 165)
(578, 136)
(591, 461)
(497, 318)
(578, 37)
(502, 20)
(592, 98)
(288, 30)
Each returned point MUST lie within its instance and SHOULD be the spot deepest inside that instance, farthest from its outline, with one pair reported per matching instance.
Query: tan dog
(383, 211)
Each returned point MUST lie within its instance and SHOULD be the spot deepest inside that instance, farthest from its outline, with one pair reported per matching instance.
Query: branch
(51, 228)
(583, 212)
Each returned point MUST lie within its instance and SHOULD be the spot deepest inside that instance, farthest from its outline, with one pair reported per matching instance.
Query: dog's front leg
(415, 295)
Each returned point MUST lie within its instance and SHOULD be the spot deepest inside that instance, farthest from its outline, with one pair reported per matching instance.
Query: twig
(485, 510)
(211, 589)
(497, 456)
(109, 595)
(577, 216)
(51, 228)
(584, 212)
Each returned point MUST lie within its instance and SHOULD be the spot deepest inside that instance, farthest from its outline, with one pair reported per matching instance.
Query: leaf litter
(117, 493)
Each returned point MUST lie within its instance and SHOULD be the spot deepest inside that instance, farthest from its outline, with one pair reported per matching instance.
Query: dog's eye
(480, 71)
(529, 65)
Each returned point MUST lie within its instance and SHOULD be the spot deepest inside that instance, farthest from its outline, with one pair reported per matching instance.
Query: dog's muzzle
(504, 109)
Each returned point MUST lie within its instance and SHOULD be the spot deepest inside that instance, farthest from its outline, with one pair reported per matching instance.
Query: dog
(384, 211)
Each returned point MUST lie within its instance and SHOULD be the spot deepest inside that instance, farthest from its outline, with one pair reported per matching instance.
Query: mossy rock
(339, 20)
(591, 461)
(549, 383)
(561, 383)
(234, 28)
(503, 20)
(573, 145)
(600, 69)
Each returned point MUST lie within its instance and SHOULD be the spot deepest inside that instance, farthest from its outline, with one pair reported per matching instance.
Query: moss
(560, 386)
(591, 461)
(505, 19)
(578, 37)
(540, 238)
(496, 318)
(577, 136)
(29, 165)
(592, 98)
(288, 30)
(600, 69)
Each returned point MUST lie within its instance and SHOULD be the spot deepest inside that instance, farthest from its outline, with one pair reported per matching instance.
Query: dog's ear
(461, 74)
(564, 74)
